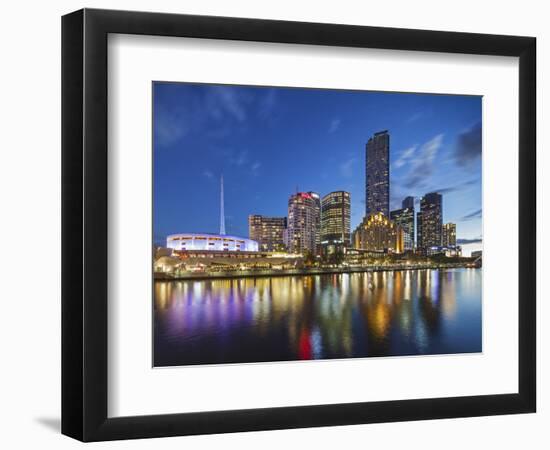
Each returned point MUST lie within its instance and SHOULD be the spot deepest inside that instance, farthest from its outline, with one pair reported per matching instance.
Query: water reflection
(317, 317)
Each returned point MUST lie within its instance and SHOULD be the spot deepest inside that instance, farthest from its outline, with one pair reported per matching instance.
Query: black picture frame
(84, 224)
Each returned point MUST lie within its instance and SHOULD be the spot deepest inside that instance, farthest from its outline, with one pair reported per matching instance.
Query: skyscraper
(431, 212)
(404, 218)
(378, 174)
(419, 243)
(449, 235)
(335, 220)
(304, 222)
(268, 232)
(408, 202)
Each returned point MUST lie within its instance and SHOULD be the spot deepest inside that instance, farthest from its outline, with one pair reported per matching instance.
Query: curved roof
(213, 235)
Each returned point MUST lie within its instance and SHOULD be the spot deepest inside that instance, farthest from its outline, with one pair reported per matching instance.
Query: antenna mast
(222, 212)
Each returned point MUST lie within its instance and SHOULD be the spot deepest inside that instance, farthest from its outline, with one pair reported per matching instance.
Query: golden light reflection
(297, 317)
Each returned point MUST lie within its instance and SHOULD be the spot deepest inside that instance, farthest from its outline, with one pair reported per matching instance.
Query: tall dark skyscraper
(431, 212)
(404, 218)
(335, 220)
(378, 174)
(408, 202)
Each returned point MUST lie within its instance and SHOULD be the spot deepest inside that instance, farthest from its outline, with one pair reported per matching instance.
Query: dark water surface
(317, 317)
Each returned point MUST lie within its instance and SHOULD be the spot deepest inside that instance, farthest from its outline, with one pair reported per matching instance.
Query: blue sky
(268, 142)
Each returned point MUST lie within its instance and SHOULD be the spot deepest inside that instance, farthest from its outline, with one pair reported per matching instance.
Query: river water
(289, 318)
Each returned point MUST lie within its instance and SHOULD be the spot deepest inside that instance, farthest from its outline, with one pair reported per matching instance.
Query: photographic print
(307, 224)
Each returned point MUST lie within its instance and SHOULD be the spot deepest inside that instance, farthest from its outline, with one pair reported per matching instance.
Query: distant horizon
(269, 143)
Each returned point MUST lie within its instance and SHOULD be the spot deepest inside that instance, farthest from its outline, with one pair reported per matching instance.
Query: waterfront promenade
(252, 273)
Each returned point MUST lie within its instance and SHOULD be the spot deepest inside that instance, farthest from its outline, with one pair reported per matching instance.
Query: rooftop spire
(222, 212)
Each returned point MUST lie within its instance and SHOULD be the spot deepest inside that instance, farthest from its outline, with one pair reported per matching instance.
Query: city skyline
(202, 132)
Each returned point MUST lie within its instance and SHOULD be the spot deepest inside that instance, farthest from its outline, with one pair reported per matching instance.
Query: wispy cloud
(346, 168)
(458, 186)
(422, 166)
(240, 158)
(473, 215)
(223, 101)
(414, 117)
(469, 241)
(240, 104)
(171, 124)
(215, 111)
(405, 156)
(267, 104)
(334, 125)
(468, 145)
(255, 167)
(208, 174)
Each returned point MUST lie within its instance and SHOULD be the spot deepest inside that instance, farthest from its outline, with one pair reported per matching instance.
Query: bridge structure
(478, 261)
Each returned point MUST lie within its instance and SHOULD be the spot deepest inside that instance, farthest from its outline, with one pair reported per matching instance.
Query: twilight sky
(268, 142)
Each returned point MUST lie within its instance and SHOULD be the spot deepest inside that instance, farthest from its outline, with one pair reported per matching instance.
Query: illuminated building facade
(442, 250)
(378, 233)
(453, 251)
(268, 232)
(238, 260)
(335, 221)
(419, 230)
(304, 222)
(431, 220)
(378, 174)
(357, 257)
(210, 242)
(404, 218)
(449, 235)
